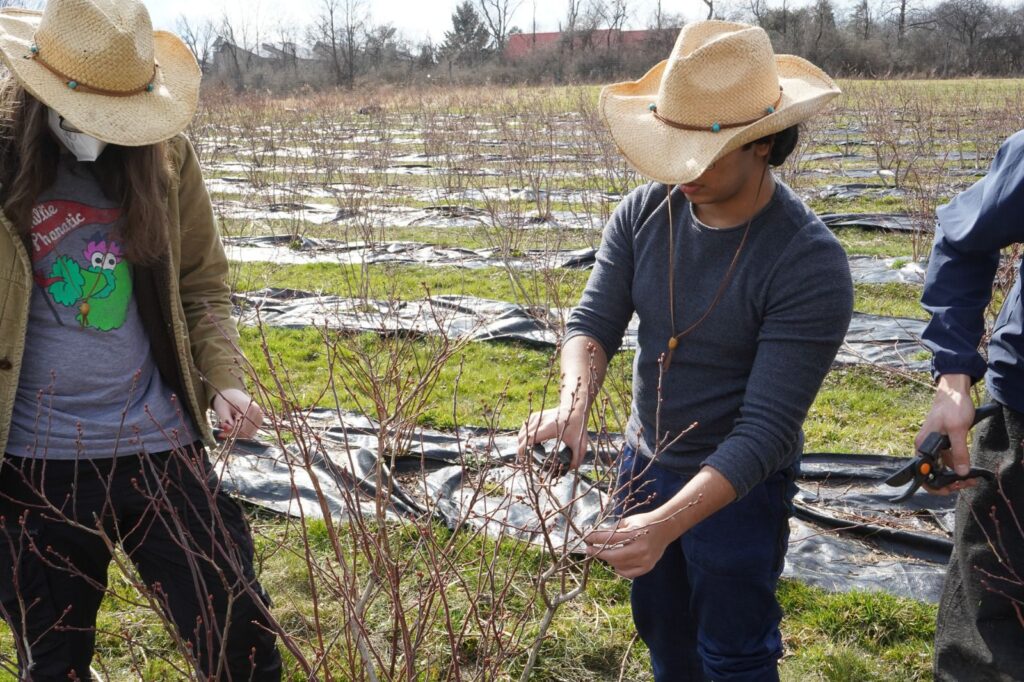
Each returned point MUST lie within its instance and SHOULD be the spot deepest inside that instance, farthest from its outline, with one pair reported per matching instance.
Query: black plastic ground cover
(288, 250)
(846, 534)
(890, 222)
(871, 339)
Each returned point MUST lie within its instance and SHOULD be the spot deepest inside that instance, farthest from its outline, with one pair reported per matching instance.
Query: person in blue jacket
(980, 630)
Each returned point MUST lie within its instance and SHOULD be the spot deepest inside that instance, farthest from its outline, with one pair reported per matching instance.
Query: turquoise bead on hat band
(74, 84)
(716, 126)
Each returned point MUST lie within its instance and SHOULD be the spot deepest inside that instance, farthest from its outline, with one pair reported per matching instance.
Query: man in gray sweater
(743, 298)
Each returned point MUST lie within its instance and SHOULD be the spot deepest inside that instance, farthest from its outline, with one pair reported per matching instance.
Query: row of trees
(342, 43)
(899, 37)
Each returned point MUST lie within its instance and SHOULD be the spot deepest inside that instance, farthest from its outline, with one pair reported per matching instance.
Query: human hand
(238, 413)
(634, 546)
(952, 413)
(566, 424)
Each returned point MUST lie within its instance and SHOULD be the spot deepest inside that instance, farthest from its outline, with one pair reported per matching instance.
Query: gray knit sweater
(746, 376)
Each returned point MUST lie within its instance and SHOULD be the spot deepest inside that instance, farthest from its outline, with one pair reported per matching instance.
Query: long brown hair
(136, 177)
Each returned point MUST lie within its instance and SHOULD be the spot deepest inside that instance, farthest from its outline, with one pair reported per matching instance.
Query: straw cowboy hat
(721, 88)
(101, 66)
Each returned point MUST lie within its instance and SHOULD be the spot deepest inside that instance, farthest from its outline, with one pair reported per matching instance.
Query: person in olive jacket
(115, 340)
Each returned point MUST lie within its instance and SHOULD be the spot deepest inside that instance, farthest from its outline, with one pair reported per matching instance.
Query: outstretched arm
(595, 330)
(583, 364)
(636, 544)
(972, 230)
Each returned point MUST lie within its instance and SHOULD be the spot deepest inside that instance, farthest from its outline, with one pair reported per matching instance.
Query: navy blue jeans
(707, 610)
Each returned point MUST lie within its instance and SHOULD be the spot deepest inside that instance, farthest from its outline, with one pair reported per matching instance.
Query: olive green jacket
(184, 301)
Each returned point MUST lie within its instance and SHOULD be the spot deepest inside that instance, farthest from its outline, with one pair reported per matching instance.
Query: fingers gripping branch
(583, 364)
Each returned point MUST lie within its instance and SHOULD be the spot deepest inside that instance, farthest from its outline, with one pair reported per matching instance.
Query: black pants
(980, 631)
(188, 540)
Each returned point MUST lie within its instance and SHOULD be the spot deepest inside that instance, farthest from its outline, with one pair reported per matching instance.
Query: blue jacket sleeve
(972, 230)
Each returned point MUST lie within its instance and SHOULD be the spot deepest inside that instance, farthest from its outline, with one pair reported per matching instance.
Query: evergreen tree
(467, 43)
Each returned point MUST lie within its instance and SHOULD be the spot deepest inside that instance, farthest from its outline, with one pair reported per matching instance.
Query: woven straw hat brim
(672, 156)
(132, 121)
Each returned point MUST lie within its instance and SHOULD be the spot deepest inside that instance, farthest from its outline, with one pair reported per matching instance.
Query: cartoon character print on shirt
(101, 288)
(95, 282)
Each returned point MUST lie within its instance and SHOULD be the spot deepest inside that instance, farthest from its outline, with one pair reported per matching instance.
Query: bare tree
(614, 14)
(533, 26)
(905, 11)
(588, 23)
(758, 9)
(381, 42)
(661, 20)
(824, 23)
(862, 19)
(902, 22)
(572, 19)
(325, 34)
(967, 20)
(497, 14)
(618, 13)
(337, 31)
(354, 17)
(199, 35)
(286, 39)
(711, 8)
(230, 44)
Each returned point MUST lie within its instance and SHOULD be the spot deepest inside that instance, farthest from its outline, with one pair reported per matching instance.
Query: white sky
(415, 19)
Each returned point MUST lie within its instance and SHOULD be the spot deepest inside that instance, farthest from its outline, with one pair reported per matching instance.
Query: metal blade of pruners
(927, 468)
(555, 463)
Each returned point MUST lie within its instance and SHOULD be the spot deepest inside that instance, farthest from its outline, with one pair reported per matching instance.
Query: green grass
(895, 299)
(537, 238)
(855, 636)
(552, 288)
(483, 382)
(856, 241)
(858, 409)
(861, 409)
(861, 204)
(861, 242)
(557, 288)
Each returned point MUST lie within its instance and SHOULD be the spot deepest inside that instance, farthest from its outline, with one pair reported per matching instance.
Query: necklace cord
(673, 341)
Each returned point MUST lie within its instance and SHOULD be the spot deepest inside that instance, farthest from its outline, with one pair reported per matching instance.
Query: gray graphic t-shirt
(88, 386)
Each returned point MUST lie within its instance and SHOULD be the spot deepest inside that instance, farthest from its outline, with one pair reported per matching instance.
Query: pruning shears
(927, 468)
(555, 463)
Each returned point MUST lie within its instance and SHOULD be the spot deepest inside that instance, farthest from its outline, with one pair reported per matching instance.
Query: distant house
(521, 45)
(229, 58)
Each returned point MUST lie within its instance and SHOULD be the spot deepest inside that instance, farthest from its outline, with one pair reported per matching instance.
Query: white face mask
(84, 147)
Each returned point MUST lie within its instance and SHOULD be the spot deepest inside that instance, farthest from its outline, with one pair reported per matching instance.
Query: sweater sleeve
(972, 230)
(809, 303)
(606, 307)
